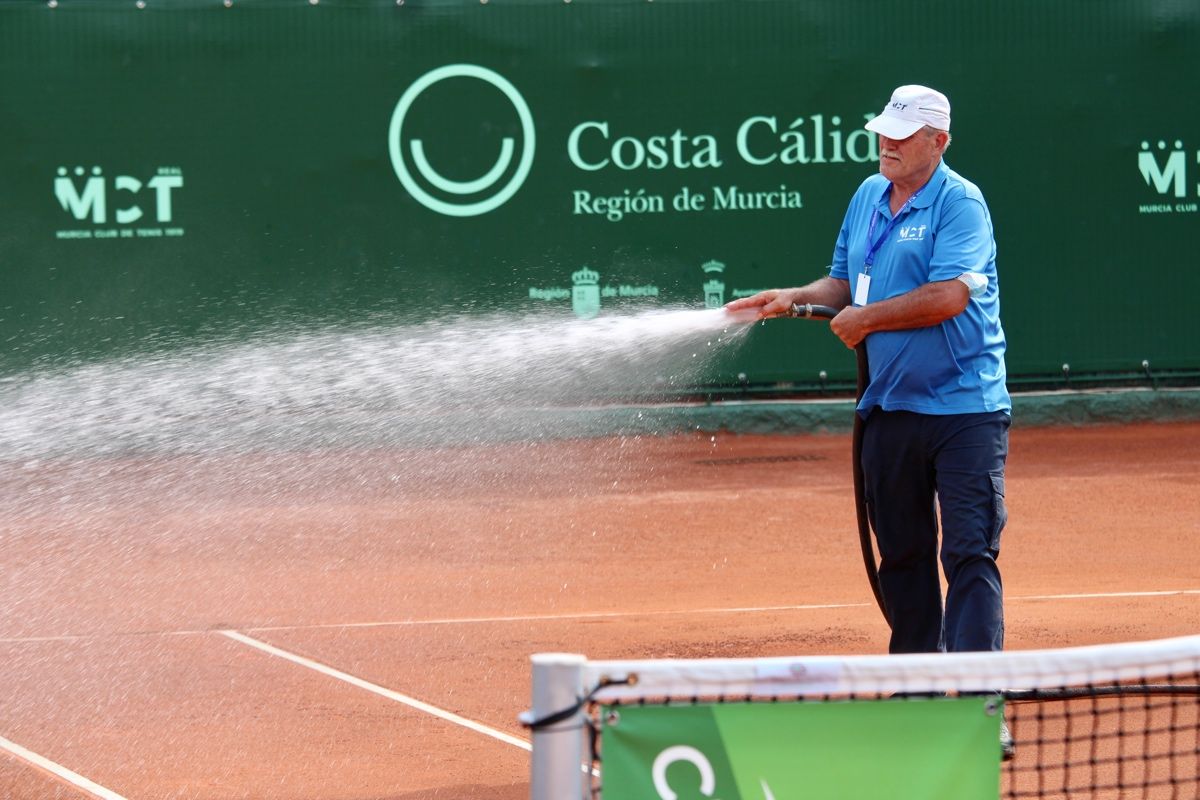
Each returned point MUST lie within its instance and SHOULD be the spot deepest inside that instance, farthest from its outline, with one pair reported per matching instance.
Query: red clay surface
(436, 574)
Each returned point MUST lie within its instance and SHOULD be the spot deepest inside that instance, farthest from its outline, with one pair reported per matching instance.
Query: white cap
(910, 109)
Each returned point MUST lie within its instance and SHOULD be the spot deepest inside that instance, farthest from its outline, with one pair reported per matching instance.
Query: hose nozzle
(809, 311)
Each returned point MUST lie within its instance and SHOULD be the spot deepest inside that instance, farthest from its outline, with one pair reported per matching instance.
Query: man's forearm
(923, 307)
(825, 291)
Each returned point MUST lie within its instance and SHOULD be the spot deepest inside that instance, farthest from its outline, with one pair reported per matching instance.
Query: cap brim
(893, 127)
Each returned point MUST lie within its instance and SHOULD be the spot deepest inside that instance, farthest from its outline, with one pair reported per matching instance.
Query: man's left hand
(850, 325)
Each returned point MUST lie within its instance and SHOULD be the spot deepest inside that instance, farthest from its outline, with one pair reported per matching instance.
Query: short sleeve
(838, 268)
(963, 241)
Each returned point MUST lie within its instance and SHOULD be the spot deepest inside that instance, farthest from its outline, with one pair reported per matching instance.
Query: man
(914, 273)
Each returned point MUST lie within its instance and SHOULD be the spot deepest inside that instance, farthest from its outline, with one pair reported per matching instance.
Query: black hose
(865, 536)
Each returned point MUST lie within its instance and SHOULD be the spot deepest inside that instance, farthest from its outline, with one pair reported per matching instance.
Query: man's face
(904, 161)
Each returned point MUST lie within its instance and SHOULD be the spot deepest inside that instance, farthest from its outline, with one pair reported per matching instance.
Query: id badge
(861, 289)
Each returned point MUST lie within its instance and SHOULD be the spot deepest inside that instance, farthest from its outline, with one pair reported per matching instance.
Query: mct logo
(1168, 177)
(455, 117)
(92, 200)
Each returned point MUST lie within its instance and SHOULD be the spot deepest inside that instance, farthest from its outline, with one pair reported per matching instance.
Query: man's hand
(771, 303)
(850, 325)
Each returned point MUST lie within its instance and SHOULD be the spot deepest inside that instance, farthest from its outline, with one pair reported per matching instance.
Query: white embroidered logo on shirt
(912, 233)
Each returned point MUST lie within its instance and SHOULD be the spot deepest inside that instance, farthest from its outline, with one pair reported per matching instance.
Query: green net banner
(943, 749)
(183, 169)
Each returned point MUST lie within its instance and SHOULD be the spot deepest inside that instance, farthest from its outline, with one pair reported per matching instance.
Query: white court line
(1106, 595)
(680, 612)
(379, 690)
(59, 771)
(557, 617)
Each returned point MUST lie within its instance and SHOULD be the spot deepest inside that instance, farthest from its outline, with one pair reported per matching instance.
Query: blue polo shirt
(957, 366)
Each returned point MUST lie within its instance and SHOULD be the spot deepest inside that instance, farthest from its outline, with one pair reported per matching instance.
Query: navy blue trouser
(912, 463)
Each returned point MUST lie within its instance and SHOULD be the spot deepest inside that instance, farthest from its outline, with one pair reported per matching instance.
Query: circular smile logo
(432, 110)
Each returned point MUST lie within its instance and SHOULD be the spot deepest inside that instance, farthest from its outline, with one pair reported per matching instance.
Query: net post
(558, 764)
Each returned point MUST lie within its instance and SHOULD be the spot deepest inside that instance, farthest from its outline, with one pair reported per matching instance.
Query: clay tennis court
(141, 597)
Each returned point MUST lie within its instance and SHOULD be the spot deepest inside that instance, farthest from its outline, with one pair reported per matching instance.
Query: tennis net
(1107, 721)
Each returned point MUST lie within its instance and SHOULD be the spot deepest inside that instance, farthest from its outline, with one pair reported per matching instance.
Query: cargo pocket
(999, 511)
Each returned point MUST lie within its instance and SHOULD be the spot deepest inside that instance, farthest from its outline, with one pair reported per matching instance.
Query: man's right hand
(771, 303)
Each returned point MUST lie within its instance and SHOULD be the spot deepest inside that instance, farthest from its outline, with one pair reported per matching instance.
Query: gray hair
(929, 130)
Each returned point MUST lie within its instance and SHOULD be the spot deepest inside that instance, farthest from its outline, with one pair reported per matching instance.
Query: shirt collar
(928, 193)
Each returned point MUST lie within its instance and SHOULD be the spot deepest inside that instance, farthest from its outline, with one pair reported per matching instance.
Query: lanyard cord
(872, 249)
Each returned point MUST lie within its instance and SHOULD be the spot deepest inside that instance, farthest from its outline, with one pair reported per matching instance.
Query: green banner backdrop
(177, 169)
